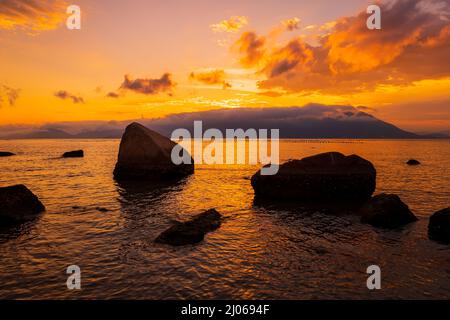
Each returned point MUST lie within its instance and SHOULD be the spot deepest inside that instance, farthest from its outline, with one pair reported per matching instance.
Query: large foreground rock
(74, 154)
(6, 154)
(439, 226)
(386, 211)
(146, 155)
(192, 231)
(326, 177)
(18, 203)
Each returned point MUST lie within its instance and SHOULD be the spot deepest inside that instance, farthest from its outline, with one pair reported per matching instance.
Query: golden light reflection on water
(257, 253)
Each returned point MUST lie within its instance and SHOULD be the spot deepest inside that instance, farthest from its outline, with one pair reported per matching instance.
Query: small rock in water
(192, 231)
(6, 154)
(18, 203)
(413, 162)
(74, 154)
(386, 211)
(321, 250)
(439, 226)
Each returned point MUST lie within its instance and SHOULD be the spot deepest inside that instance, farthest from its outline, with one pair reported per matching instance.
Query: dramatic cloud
(234, 24)
(8, 94)
(211, 77)
(32, 15)
(252, 48)
(414, 44)
(149, 86)
(62, 94)
(288, 58)
(291, 24)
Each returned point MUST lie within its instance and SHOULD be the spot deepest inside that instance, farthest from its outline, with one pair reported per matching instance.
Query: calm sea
(257, 253)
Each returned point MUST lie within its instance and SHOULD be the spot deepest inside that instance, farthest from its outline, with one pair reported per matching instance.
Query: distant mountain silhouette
(43, 134)
(311, 121)
(436, 135)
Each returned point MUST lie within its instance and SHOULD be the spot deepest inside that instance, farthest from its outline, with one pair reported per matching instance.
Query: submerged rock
(146, 155)
(74, 154)
(18, 203)
(326, 177)
(6, 154)
(439, 226)
(386, 211)
(192, 231)
(413, 162)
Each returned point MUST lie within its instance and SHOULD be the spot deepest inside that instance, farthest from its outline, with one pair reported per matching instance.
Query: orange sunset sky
(137, 58)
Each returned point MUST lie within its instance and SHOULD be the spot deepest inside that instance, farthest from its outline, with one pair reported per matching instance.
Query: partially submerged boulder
(439, 226)
(6, 154)
(74, 154)
(386, 211)
(413, 162)
(18, 203)
(192, 231)
(326, 177)
(146, 155)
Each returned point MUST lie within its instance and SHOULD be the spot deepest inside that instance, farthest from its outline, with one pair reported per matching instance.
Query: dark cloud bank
(310, 121)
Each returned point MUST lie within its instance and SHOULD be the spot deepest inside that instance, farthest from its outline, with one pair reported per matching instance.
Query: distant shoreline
(299, 139)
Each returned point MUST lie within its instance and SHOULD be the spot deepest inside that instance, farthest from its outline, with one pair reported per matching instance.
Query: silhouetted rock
(386, 211)
(192, 231)
(18, 203)
(74, 154)
(146, 155)
(439, 226)
(6, 154)
(326, 177)
(413, 162)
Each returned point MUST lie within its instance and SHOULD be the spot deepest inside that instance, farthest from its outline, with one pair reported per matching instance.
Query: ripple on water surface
(259, 252)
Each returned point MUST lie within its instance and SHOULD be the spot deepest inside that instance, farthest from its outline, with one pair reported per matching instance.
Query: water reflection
(260, 251)
(137, 197)
(147, 208)
(293, 207)
(11, 231)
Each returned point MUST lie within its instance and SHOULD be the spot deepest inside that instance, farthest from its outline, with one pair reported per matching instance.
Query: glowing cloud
(211, 77)
(291, 24)
(32, 15)
(252, 48)
(233, 24)
(413, 45)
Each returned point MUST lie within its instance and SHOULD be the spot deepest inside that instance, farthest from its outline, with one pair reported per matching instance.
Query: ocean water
(257, 253)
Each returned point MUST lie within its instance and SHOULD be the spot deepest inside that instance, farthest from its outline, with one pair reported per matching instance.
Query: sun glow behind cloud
(293, 60)
(32, 15)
